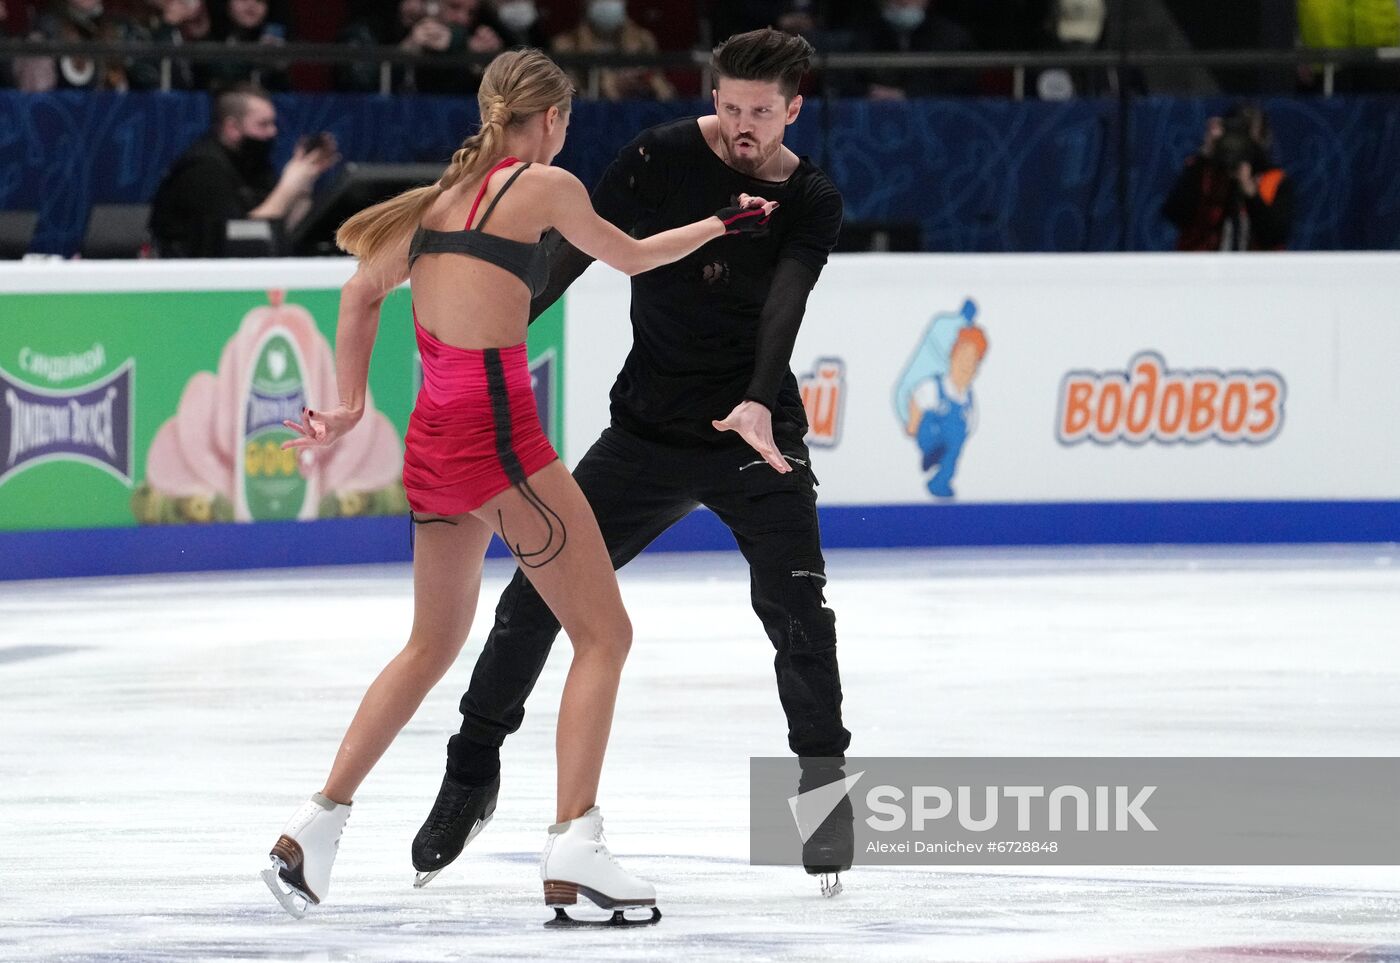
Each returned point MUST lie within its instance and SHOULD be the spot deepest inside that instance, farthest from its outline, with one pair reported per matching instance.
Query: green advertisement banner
(166, 407)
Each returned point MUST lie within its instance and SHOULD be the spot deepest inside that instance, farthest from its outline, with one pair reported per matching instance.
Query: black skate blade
(563, 920)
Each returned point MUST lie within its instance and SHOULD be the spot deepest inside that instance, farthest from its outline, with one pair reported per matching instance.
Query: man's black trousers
(638, 489)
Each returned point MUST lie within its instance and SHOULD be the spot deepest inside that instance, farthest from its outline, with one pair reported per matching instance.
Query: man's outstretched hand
(754, 424)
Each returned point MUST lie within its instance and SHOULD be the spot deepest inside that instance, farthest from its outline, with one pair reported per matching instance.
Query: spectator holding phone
(175, 23)
(606, 28)
(248, 23)
(228, 175)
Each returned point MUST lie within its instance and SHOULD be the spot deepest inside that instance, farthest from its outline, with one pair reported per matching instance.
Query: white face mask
(518, 14)
(1080, 21)
(607, 15)
(904, 18)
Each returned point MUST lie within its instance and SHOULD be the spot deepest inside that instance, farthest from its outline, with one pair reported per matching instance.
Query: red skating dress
(475, 430)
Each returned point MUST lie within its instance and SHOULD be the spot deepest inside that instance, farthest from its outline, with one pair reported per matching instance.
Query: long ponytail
(516, 86)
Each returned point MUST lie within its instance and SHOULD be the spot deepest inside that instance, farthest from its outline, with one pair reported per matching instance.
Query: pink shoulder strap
(481, 192)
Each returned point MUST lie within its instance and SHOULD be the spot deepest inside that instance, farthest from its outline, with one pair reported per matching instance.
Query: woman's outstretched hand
(320, 429)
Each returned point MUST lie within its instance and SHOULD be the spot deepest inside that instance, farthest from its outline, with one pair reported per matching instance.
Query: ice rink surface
(155, 734)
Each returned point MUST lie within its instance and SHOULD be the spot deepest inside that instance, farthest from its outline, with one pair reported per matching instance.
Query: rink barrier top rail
(829, 63)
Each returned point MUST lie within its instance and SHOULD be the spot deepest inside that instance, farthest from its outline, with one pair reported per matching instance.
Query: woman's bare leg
(446, 583)
(579, 586)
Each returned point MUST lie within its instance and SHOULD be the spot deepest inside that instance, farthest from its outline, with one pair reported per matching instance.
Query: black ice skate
(830, 849)
(459, 814)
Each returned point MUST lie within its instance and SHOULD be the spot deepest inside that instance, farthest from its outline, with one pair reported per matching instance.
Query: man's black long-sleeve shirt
(203, 190)
(706, 333)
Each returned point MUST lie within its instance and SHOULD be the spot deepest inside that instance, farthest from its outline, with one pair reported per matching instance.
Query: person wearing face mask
(228, 175)
(1078, 26)
(911, 26)
(77, 20)
(606, 28)
(522, 18)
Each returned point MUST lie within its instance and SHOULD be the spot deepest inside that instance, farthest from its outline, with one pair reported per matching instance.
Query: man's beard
(751, 162)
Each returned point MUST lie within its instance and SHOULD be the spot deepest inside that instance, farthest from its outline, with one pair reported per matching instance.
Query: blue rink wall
(1116, 399)
(125, 551)
(974, 174)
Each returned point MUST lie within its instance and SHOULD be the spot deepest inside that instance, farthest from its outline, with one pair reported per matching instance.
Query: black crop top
(528, 262)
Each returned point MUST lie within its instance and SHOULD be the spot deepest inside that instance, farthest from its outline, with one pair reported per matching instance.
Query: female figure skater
(476, 460)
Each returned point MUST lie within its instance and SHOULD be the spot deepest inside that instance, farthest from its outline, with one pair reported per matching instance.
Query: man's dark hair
(234, 102)
(767, 55)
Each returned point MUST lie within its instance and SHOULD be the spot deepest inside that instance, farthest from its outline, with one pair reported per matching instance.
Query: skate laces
(446, 809)
(603, 843)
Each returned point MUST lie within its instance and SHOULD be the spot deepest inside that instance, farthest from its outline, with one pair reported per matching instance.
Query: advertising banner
(936, 380)
(952, 400)
(161, 406)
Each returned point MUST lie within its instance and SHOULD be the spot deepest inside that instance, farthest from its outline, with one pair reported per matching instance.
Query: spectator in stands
(808, 19)
(606, 28)
(912, 26)
(454, 27)
(179, 22)
(798, 17)
(1231, 196)
(228, 175)
(728, 17)
(430, 27)
(1327, 24)
(76, 20)
(375, 32)
(1077, 26)
(248, 23)
(6, 68)
(522, 18)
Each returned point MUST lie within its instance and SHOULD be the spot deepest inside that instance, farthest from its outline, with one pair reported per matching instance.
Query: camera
(317, 141)
(1235, 145)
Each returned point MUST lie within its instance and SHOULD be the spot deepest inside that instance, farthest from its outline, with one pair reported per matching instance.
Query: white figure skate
(300, 874)
(576, 860)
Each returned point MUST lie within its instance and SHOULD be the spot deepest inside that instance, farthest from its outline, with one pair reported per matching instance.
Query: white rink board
(1325, 324)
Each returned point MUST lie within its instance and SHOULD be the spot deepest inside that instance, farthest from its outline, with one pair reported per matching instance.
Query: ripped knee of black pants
(811, 626)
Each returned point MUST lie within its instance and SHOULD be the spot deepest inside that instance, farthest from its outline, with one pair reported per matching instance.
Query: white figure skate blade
(831, 887)
(293, 902)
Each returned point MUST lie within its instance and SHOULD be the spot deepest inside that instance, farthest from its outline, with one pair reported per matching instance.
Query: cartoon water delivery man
(933, 401)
